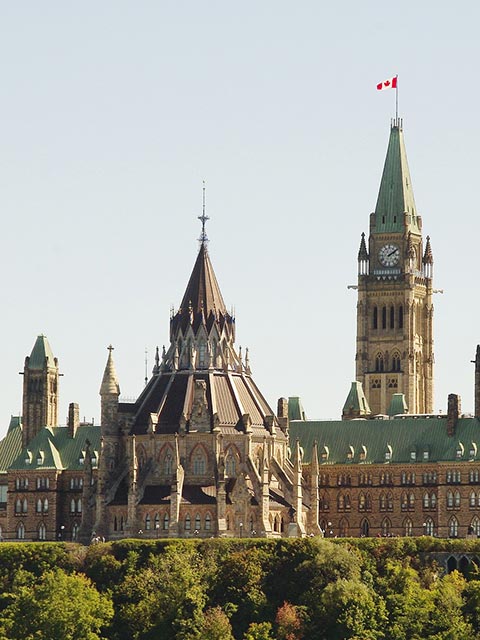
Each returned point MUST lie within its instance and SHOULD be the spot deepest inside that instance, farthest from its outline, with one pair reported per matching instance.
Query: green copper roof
(53, 448)
(402, 436)
(356, 402)
(398, 404)
(11, 445)
(395, 197)
(41, 351)
(295, 409)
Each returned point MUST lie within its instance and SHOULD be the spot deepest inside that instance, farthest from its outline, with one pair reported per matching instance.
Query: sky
(113, 113)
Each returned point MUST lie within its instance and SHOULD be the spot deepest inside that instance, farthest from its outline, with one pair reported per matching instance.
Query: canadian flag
(391, 83)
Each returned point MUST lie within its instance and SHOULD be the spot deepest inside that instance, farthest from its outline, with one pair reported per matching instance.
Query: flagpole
(396, 99)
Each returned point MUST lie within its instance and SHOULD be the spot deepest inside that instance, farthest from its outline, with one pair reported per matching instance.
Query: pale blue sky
(112, 113)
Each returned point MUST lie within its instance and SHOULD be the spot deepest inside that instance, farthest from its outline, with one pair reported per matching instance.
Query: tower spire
(203, 219)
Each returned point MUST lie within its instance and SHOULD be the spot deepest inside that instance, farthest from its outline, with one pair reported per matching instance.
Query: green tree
(259, 631)
(57, 607)
(447, 621)
(240, 582)
(471, 608)
(212, 624)
(409, 605)
(155, 601)
(348, 608)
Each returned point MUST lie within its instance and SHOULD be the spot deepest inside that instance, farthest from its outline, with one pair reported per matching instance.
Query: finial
(110, 348)
(146, 366)
(203, 218)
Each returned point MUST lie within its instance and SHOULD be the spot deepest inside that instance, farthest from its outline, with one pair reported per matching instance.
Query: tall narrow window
(400, 317)
(375, 317)
(379, 364)
(384, 317)
(392, 317)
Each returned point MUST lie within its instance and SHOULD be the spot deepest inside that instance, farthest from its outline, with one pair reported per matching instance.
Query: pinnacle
(110, 384)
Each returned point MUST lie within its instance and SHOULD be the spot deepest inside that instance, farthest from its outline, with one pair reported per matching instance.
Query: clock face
(389, 255)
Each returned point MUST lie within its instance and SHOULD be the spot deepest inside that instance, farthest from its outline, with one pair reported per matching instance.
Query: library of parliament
(200, 453)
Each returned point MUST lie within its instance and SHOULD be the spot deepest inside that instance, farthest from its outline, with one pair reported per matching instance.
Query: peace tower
(394, 309)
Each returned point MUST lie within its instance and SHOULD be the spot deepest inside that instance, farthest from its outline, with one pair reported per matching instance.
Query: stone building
(199, 453)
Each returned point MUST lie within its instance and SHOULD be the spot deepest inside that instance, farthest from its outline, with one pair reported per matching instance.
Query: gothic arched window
(379, 362)
(408, 527)
(230, 465)
(392, 317)
(375, 318)
(396, 362)
(453, 527)
(188, 523)
(400, 317)
(386, 526)
(199, 463)
(429, 527)
(384, 317)
(364, 528)
(21, 531)
(168, 463)
(42, 532)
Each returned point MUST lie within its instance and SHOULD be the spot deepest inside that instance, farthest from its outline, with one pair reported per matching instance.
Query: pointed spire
(41, 356)
(203, 218)
(314, 463)
(202, 288)
(410, 249)
(362, 252)
(395, 197)
(428, 255)
(110, 384)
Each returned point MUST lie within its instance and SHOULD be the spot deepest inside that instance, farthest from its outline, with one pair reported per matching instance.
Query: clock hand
(391, 253)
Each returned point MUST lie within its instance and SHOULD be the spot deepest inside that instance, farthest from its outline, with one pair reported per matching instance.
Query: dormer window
(472, 454)
(388, 453)
(28, 457)
(350, 453)
(325, 453)
(81, 459)
(40, 457)
(413, 455)
(363, 453)
(460, 451)
(426, 454)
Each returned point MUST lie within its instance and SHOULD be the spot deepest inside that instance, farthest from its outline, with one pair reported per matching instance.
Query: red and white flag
(391, 83)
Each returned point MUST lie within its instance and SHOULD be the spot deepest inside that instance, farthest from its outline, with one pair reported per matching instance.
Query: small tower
(109, 393)
(40, 390)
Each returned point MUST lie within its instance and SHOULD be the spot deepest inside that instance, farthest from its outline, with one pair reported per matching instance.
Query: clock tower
(394, 308)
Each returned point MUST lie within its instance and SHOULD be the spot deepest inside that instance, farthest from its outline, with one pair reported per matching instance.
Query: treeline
(314, 589)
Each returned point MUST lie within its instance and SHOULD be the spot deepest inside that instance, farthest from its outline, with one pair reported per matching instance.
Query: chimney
(282, 408)
(282, 414)
(453, 412)
(73, 418)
